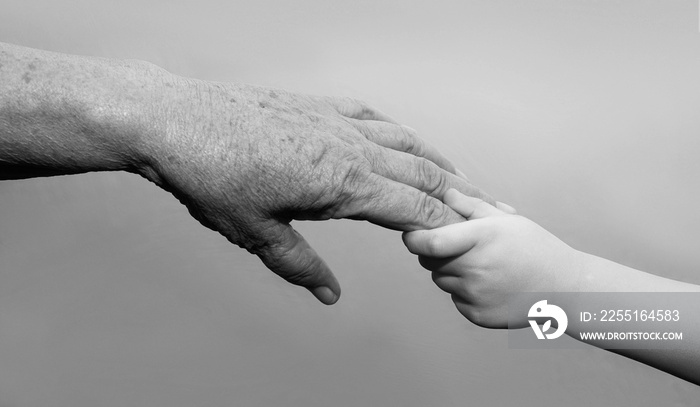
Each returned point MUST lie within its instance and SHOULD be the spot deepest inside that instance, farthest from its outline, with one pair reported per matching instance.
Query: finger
(447, 241)
(290, 256)
(467, 310)
(355, 109)
(401, 138)
(448, 283)
(420, 173)
(392, 204)
(506, 208)
(468, 206)
(462, 175)
(448, 266)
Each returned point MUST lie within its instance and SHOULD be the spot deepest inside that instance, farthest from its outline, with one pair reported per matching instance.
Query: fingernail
(461, 175)
(325, 295)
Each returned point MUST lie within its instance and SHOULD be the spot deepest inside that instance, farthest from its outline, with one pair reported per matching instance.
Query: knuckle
(267, 246)
(425, 171)
(431, 177)
(368, 132)
(299, 270)
(426, 207)
(334, 179)
(410, 142)
(434, 245)
(350, 180)
(406, 144)
(430, 210)
(365, 110)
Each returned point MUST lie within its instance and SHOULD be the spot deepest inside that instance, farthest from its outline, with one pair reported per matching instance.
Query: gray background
(583, 115)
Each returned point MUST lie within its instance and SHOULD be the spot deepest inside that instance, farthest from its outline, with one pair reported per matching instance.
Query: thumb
(290, 256)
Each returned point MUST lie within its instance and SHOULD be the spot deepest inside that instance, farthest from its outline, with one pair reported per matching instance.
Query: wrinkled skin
(247, 160)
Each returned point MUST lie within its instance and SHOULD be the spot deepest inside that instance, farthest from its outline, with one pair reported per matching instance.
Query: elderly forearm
(63, 114)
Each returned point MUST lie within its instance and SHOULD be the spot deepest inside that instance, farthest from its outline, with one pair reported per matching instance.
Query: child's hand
(492, 254)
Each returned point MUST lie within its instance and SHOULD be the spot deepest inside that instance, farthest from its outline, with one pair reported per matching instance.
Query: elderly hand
(247, 160)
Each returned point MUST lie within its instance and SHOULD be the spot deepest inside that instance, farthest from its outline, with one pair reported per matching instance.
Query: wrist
(182, 124)
(127, 116)
(581, 272)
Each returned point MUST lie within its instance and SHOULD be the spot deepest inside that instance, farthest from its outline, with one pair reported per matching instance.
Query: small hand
(246, 161)
(494, 253)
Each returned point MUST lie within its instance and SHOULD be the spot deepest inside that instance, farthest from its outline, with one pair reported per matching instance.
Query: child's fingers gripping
(449, 284)
(446, 241)
(448, 266)
(469, 207)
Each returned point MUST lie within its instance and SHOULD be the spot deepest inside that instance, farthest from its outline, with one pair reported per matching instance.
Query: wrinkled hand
(248, 160)
(481, 261)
